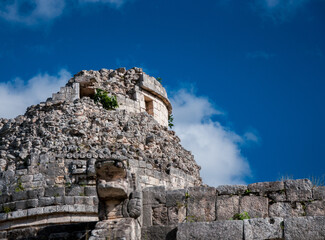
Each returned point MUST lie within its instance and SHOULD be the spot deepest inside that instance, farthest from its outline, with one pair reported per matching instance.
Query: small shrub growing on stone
(109, 103)
(241, 216)
(170, 121)
(7, 209)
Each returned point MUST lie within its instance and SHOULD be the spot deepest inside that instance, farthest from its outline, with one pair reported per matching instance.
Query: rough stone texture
(263, 228)
(231, 189)
(263, 187)
(201, 203)
(227, 206)
(304, 228)
(315, 208)
(223, 230)
(255, 206)
(280, 209)
(298, 190)
(159, 233)
(319, 193)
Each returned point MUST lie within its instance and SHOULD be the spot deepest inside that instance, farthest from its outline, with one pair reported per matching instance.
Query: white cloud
(31, 12)
(16, 96)
(278, 10)
(36, 12)
(216, 148)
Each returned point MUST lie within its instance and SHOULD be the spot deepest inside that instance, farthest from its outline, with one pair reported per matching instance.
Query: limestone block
(159, 215)
(279, 196)
(32, 203)
(175, 197)
(20, 195)
(298, 190)
(147, 215)
(74, 191)
(176, 214)
(35, 211)
(17, 214)
(54, 191)
(227, 206)
(35, 193)
(21, 204)
(255, 206)
(68, 200)
(262, 187)
(159, 232)
(50, 209)
(201, 203)
(263, 228)
(315, 208)
(304, 228)
(46, 201)
(223, 230)
(154, 196)
(319, 193)
(280, 209)
(231, 189)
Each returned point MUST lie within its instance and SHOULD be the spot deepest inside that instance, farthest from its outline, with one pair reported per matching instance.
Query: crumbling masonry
(71, 169)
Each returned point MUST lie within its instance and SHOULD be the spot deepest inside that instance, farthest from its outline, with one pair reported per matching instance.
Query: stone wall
(278, 210)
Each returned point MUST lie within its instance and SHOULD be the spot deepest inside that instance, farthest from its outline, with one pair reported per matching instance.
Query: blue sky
(247, 78)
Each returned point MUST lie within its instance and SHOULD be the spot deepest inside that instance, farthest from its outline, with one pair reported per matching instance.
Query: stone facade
(70, 169)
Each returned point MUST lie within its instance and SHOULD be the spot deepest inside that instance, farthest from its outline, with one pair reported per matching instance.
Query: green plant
(241, 216)
(170, 121)
(247, 191)
(19, 186)
(109, 103)
(191, 219)
(187, 195)
(159, 79)
(7, 209)
(282, 225)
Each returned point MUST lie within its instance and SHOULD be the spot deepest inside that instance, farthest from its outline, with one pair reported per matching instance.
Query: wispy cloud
(278, 10)
(15, 96)
(260, 55)
(37, 12)
(215, 147)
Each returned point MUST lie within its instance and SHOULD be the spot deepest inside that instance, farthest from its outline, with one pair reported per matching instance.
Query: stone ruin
(71, 169)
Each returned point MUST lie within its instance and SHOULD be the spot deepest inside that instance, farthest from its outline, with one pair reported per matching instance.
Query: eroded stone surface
(227, 206)
(304, 228)
(298, 190)
(222, 230)
(263, 228)
(255, 206)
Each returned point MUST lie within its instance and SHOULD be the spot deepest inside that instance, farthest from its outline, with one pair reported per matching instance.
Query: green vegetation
(109, 103)
(19, 186)
(7, 209)
(241, 216)
(170, 121)
(159, 79)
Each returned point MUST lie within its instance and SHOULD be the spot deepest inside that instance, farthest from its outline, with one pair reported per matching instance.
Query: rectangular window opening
(149, 105)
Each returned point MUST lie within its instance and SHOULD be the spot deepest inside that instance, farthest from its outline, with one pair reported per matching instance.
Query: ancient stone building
(71, 169)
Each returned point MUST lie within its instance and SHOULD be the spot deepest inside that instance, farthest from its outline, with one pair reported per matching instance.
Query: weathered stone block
(263, 187)
(315, 208)
(21, 204)
(154, 196)
(201, 203)
(223, 230)
(147, 216)
(175, 197)
(255, 206)
(176, 214)
(280, 209)
(231, 189)
(298, 190)
(263, 228)
(35, 193)
(74, 191)
(19, 195)
(319, 193)
(159, 216)
(227, 206)
(159, 233)
(304, 228)
(32, 203)
(46, 201)
(90, 191)
(54, 192)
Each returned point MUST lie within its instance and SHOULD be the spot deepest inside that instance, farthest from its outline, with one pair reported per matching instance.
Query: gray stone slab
(280, 209)
(175, 197)
(263, 228)
(223, 230)
(298, 190)
(154, 196)
(304, 228)
(227, 206)
(255, 206)
(262, 187)
(201, 204)
(315, 208)
(159, 233)
(231, 189)
(319, 193)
